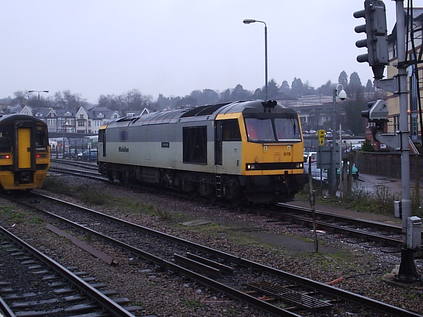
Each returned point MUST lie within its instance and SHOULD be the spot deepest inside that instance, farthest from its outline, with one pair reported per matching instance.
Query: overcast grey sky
(95, 47)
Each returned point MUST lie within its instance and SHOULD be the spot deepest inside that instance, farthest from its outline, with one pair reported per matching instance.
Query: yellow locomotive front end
(271, 162)
(24, 152)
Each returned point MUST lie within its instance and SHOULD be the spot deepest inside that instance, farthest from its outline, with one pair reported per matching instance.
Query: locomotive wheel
(205, 189)
(232, 190)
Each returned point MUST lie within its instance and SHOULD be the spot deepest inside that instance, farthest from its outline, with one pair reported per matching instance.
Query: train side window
(195, 145)
(5, 145)
(40, 139)
(230, 130)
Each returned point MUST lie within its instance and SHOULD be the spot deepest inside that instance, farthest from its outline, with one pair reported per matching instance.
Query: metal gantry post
(407, 271)
(332, 174)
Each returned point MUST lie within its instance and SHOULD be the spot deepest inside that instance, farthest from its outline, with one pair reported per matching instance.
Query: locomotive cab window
(5, 144)
(230, 130)
(195, 145)
(260, 130)
(287, 129)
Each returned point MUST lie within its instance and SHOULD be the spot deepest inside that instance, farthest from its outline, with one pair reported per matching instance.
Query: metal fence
(84, 149)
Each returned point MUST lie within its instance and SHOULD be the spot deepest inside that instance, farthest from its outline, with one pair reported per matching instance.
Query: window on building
(80, 123)
(396, 123)
(81, 116)
(195, 145)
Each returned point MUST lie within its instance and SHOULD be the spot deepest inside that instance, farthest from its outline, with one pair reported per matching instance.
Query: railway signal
(376, 42)
(321, 135)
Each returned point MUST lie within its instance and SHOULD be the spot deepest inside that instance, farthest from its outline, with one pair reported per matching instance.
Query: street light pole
(38, 93)
(249, 21)
(338, 92)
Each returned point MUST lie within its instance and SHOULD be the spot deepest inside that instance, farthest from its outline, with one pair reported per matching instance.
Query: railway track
(85, 165)
(33, 284)
(80, 173)
(268, 288)
(386, 234)
(383, 233)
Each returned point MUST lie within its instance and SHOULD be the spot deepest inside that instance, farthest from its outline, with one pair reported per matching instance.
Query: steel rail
(232, 292)
(103, 301)
(64, 169)
(358, 221)
(340, 228)
(79, 174)
(5, 309)
(76, 163)
(356, 232)
(384, 307)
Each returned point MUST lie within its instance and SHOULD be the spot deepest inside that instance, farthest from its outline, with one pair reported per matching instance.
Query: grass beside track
(380, 202)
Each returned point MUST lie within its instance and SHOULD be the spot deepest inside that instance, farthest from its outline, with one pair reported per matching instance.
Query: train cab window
(287, 129)
(259, 130)
(41, 139)
(195, 145)
(230, 130)
(5, 144)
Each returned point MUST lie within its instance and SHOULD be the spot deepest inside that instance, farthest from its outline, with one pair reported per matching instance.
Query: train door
(24, 147)
(218, 142)
(102, 140)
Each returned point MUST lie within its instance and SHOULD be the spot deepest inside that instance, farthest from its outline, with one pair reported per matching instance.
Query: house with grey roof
(65, 121)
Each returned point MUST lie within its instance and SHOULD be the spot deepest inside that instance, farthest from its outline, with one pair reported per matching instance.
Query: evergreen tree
(297, 87)
(369, 87)
(272, 90)
(343, 79)
(284, 89)
(354, 88)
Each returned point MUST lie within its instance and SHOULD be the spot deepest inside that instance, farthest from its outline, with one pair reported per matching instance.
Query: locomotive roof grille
(203, 110)
(205, 113)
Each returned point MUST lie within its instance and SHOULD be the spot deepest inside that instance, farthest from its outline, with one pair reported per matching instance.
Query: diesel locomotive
(246, 150)
(24, 152)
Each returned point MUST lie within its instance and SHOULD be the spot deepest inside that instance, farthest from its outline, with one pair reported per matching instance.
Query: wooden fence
(387, 164)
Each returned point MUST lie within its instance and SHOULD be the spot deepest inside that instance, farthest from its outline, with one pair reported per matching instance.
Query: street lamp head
(248, 21)
(342, 94)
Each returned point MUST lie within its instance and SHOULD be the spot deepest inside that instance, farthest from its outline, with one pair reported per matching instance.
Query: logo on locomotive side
(123, 149)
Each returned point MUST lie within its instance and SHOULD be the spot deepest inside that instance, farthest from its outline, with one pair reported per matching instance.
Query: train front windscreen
(273, 129)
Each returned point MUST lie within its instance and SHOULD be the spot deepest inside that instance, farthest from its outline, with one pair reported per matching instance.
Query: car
(312, 155)
(316, 173)
(88, 155)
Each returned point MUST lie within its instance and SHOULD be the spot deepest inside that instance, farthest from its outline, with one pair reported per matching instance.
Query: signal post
(377, 57)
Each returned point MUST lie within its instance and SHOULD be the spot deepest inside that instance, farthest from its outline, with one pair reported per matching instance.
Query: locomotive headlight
(251, 166)
(5, 156)
(300, 165)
